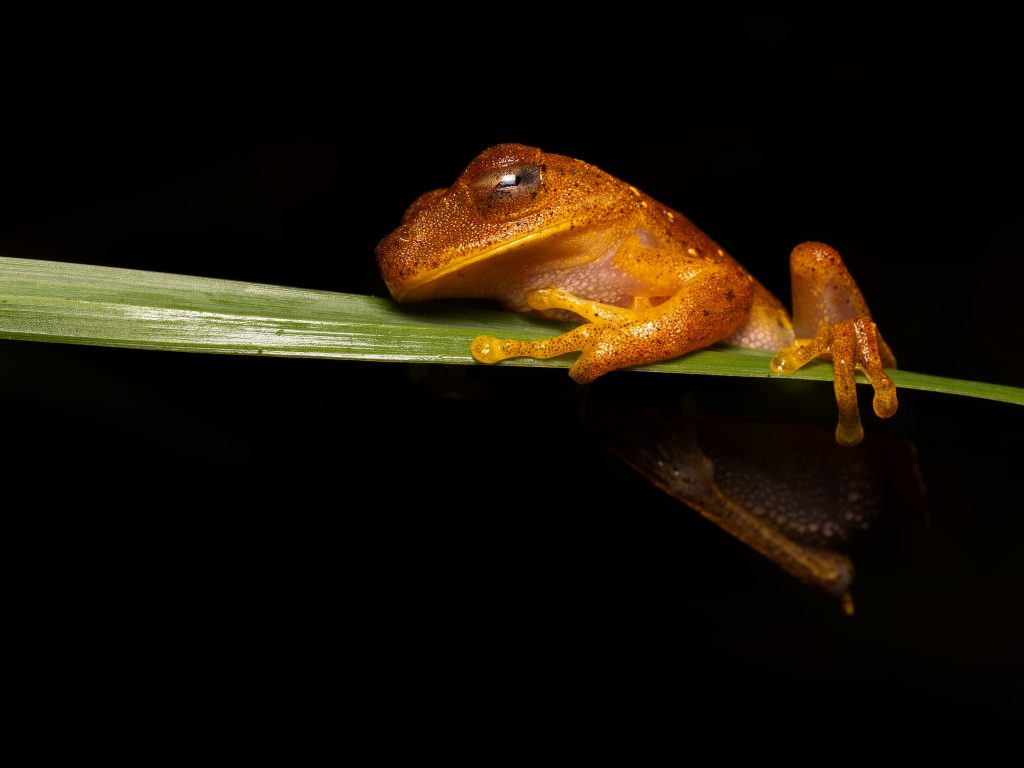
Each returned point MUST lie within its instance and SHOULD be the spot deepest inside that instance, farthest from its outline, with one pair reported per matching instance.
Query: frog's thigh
(707, 307)
(824, 291)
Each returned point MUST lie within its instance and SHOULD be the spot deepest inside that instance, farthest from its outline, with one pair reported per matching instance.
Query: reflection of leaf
(80, 304)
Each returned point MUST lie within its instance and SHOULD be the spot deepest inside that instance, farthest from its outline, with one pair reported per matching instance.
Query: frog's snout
(421, 203)
(402, 235)
(393, 256)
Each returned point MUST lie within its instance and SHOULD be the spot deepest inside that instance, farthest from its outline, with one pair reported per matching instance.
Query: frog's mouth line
(407, 290)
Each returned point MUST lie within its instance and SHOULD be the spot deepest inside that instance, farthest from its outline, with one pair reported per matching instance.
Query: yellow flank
(549, 234)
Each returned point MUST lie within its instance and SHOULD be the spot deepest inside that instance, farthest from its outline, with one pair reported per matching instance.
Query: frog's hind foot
(853, 346)
(826, 297)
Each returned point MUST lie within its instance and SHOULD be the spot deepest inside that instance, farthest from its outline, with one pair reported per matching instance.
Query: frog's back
(687, 249)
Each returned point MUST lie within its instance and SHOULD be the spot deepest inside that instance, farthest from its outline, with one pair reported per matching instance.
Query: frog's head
(513, 208)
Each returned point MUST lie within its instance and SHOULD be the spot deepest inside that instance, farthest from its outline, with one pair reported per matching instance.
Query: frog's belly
(597, 280)
(581, 262)
(767, 325)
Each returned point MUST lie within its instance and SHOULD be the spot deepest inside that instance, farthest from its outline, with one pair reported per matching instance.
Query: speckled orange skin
(549, 234)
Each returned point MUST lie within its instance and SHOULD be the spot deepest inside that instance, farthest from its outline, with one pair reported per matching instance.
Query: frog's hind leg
(831, 318)
(708, 307)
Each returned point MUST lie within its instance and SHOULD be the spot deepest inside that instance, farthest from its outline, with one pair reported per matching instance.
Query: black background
(224, 558)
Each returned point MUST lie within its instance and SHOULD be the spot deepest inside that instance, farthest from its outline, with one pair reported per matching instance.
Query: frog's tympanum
(548, 234)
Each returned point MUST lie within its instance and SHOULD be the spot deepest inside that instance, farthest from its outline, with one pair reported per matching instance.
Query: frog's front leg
(831, 318)
(706, 308)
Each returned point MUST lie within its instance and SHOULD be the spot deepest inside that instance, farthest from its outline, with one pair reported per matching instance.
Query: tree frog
(549, 234)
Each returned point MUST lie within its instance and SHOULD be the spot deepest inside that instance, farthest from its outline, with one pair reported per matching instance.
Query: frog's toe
(853, 344)
(885, 402)
(488, 349)
(795, 357)
(542, 298)
(849, 431)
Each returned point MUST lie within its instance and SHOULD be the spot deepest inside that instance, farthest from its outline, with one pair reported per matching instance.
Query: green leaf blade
(106, 306)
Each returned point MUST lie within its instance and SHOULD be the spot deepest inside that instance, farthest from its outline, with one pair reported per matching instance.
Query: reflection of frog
(786, 490)
(553, 235)
(547, 233)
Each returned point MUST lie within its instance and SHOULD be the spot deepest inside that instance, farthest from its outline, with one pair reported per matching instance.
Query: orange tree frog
(553, 235)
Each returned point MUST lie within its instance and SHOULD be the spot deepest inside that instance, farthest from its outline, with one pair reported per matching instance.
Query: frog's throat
(454, 264)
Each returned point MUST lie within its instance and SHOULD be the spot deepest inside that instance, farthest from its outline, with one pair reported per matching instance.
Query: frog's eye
(516, 181)
(508, 189)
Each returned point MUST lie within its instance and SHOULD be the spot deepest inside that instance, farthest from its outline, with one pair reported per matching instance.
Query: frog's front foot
(709, 308)
(853, 346)
(488, 349)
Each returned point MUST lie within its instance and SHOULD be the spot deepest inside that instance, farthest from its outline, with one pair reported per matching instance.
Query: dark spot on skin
(730, 295)
(706, 313)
